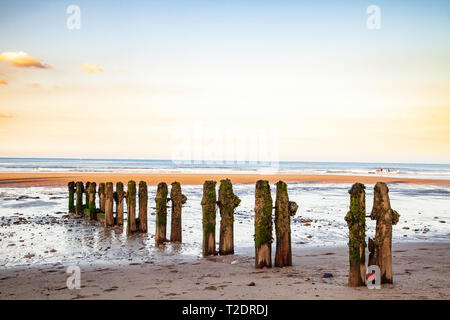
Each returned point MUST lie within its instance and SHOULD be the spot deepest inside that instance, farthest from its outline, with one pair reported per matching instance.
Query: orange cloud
(3, 81)
(22, 60)
(35, 85)
(2, 115)
(91, 68)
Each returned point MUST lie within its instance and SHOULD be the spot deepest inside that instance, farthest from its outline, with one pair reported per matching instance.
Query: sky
(145, 79)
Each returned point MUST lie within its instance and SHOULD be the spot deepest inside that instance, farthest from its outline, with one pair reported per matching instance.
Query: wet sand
(420, 272)
(61, 179)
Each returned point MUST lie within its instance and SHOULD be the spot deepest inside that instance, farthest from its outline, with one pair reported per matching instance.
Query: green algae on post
(283, 211)
(263, 225)
(143, 200)
(71, 187)
(161, 213)
(227, 203)
(109, 195)
(79, 203)
(209, 218)
(356, 222)
(178, 199)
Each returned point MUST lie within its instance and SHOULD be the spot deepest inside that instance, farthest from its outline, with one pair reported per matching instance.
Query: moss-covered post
(101, 196)
(263, 225)
(71, 187)
(385, 217)
(161, 213)
(119, 194)
(79, 203)
(131, 207)
(109, 200)
(209, 218)
(283, 211)
(91, 205)
(356, 221)
(228, 201)
(178, 199)
(143, 200)
(86, 193)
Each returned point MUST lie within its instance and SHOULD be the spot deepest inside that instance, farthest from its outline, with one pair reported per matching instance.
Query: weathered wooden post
(263, 225)
(101, 196)
(161, 213)
(228, 201)
(178, 199)
(86, 188)
(143, 200)
(91, 204)
(131, 207)
(385, 217)
(79, 203)
(71, 187)
(284, 209)
(209, 218)
(356, 221)
(109, 213)
(119, 194)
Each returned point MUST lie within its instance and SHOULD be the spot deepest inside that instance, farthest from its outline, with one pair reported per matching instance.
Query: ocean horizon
(97, 165)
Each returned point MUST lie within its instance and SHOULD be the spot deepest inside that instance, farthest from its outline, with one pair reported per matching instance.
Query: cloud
(3, 115)
(35, 85)
(3, 81)
(22, 60)
(91, 68)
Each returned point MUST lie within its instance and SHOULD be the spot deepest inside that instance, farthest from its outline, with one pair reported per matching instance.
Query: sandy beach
(61, 179)
(419, 273)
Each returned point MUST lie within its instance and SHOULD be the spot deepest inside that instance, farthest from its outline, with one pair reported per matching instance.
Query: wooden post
(263, 225)
(385, 217)
(109, 213)
(131, 207)
(92, 209)
(101, 196)
(283, 211)
(178, 199)
(161, 213)
(118, 197)
(209, 218)
(143, 200)
(79, 204)
(356, 221)
(86, 189)
(71, 187)
(228, 201)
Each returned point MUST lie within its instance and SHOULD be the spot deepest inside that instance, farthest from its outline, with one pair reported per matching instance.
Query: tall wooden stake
(385, 217)
(131, 207)
(79, 203)
(356, 221)
(209, 218)
(86, 188)
(71, 187)
(283, 211)
(228, 201)
(143, 200)
(161, 213)
(118, 197)
(178, 199)
(109, 200)
(101, 196)
(91, 204)
(263, 225)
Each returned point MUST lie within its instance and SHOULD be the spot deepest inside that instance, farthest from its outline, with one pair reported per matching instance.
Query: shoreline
(61, 179)
(419, 273)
